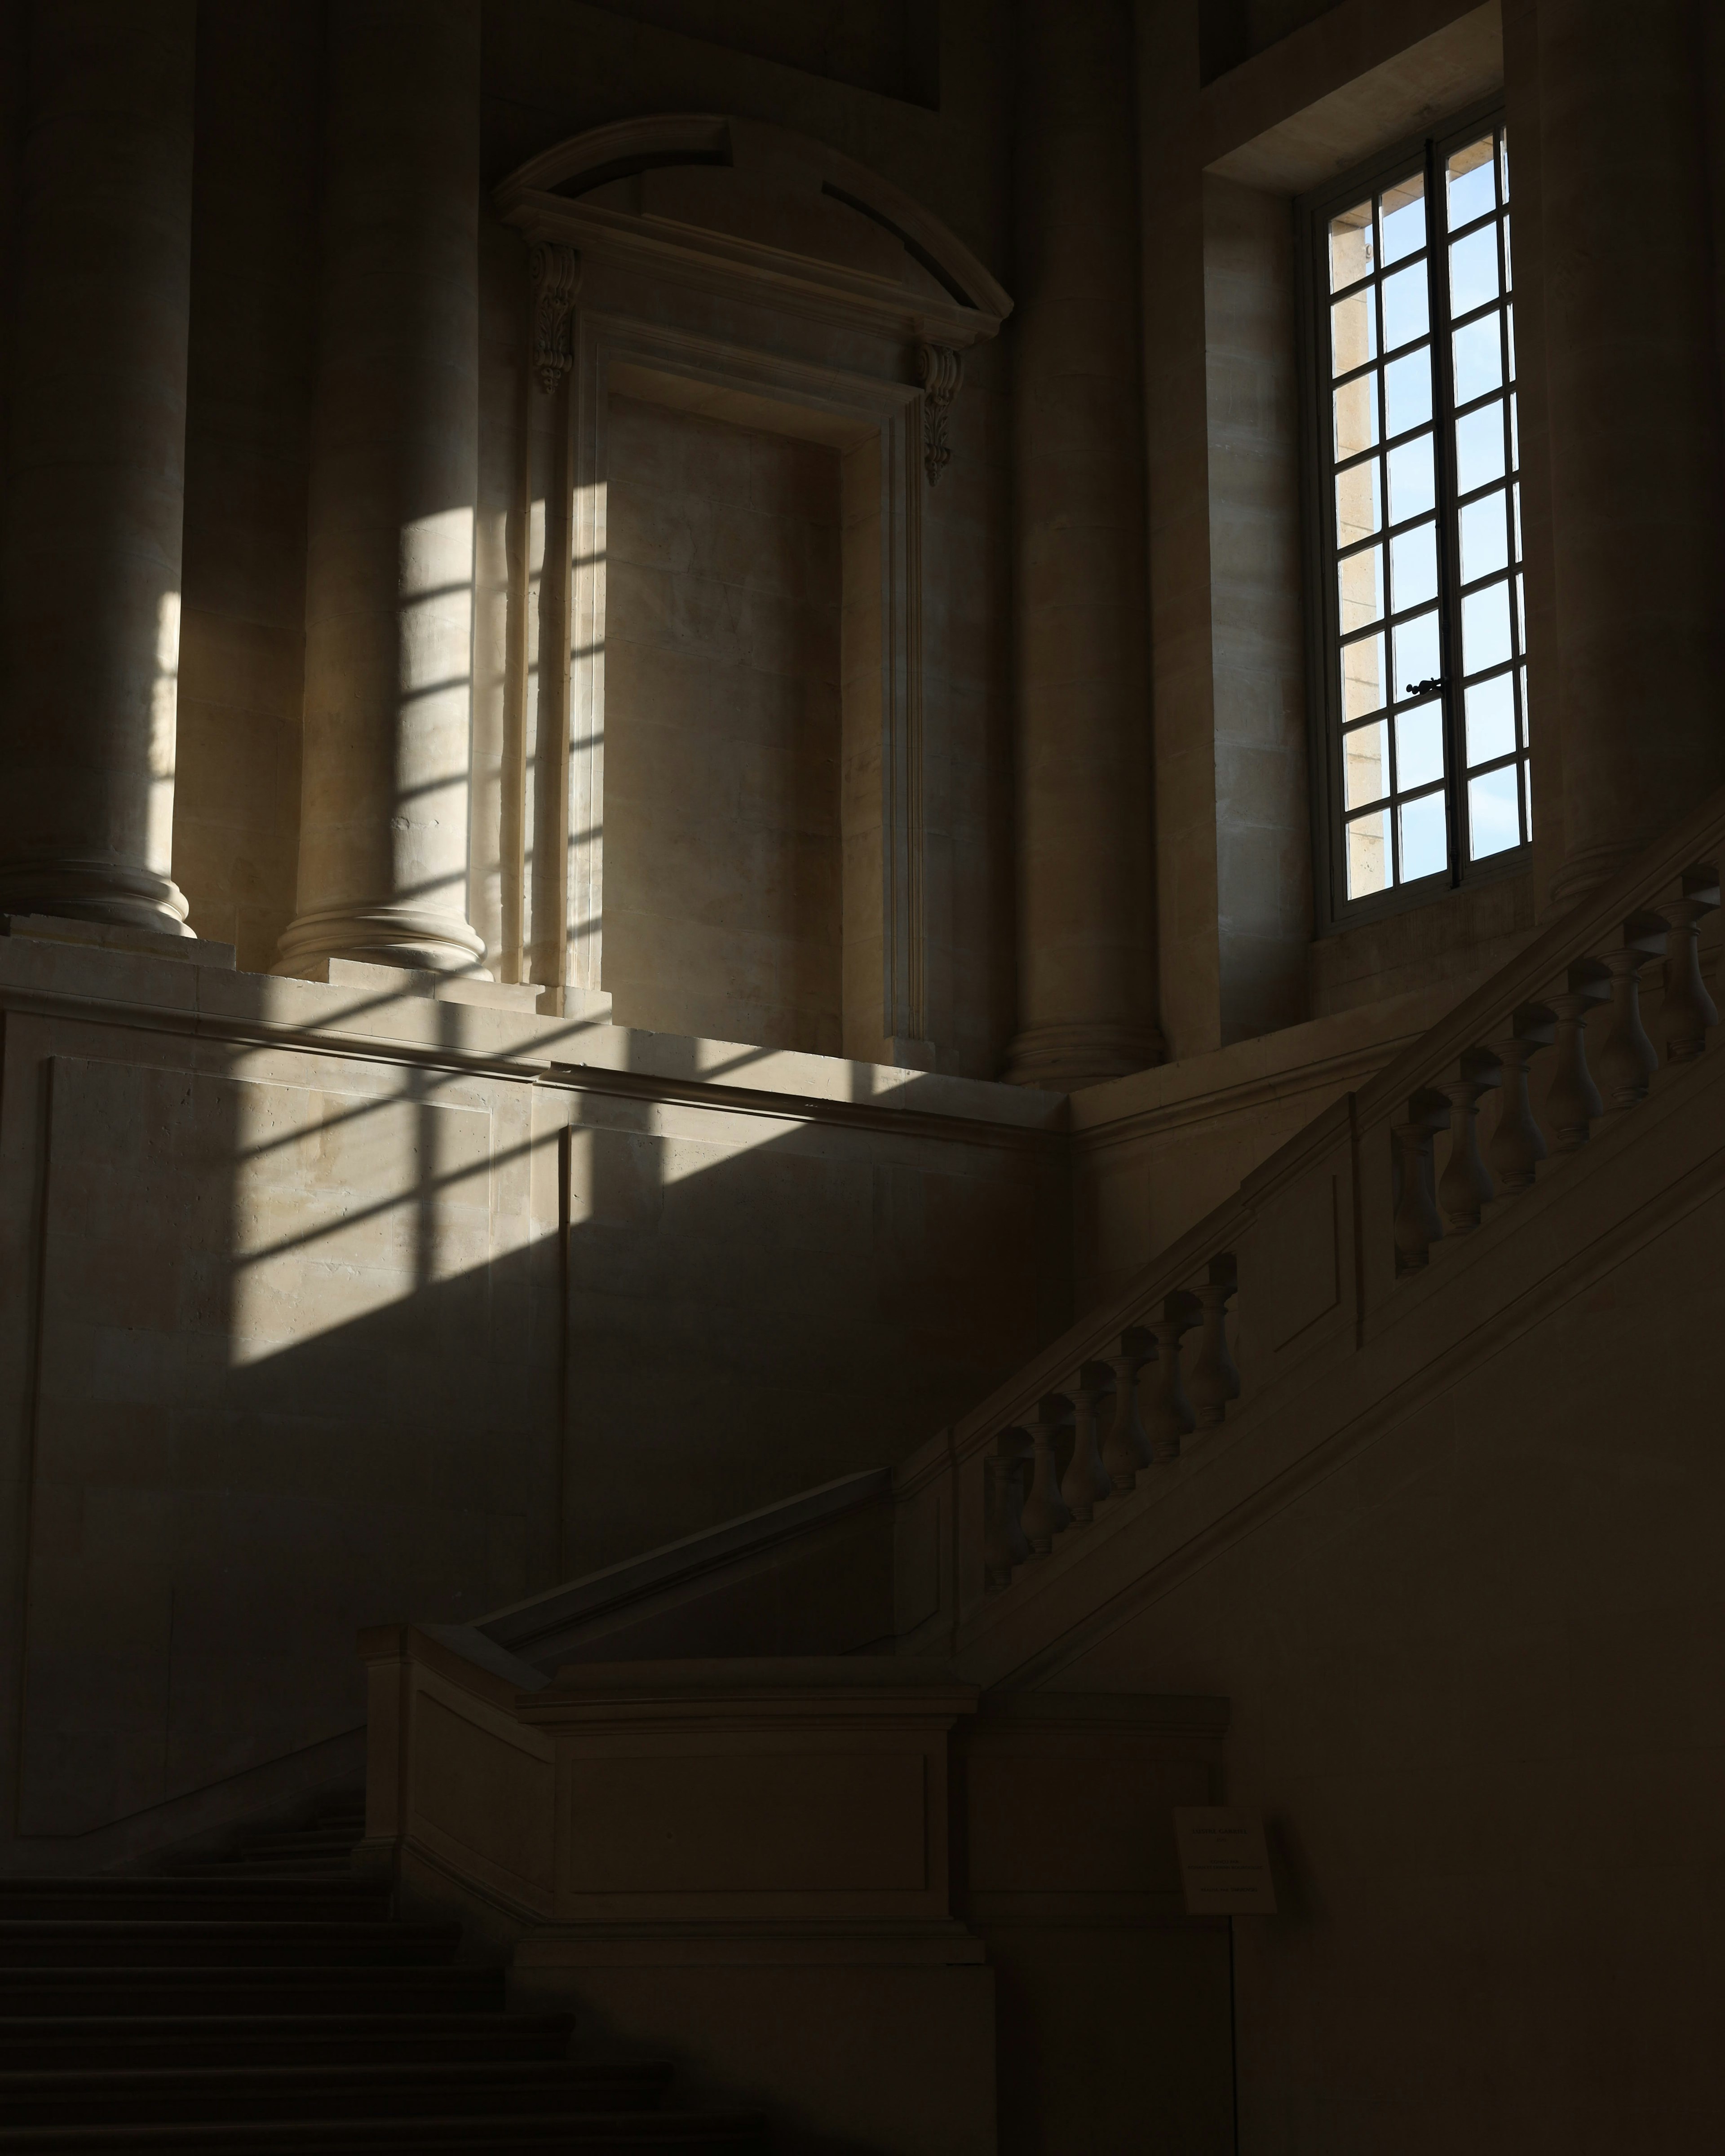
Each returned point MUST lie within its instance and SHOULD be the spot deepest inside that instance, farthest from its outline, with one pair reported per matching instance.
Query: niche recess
(732, 328)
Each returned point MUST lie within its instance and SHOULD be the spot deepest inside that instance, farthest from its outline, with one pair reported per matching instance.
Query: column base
(1062, 1059)
(422, 938)
(112, 892)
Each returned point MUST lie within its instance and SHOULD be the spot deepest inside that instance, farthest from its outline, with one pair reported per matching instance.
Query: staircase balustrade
(1127, 1397)
(1610, 973)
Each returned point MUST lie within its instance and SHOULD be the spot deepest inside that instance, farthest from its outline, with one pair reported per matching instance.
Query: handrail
(1073, 1431)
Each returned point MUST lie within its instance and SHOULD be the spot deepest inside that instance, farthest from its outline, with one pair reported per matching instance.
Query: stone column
(1633, 400)
(1085, 942)
(383, 841)
(95, 490)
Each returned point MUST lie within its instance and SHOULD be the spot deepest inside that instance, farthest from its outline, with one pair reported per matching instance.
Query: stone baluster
(1128, 1448)
(1171, 1415)
(1085, 1483)
(1004, 1542)
(1214, 1380)
(1418, 1223)
(1466, 1187)
(1045, 1514)
(1518, 1144)
(1628, 1060)
(1572, 1100)
(1688, 1010)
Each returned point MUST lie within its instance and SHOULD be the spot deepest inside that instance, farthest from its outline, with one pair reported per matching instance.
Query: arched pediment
(770, 212)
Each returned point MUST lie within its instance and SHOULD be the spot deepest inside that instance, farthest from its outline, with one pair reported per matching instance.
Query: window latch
(1423, 688)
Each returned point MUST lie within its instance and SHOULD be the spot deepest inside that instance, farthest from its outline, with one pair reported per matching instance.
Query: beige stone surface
(242, 630)
(348, 1298)
(722, 692)
(95, 489)
(1154, 1153)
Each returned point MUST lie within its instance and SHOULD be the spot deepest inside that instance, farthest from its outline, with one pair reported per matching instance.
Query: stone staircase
(265, 1998)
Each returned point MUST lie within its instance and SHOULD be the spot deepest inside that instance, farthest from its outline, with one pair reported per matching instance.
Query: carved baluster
(1214, 1380)
(1688, 1009)
(1418, 1223)
(1045, 1513)
(1171, 1416)
(1573, 1100)
(1518, 1143)
(1085, 1484)
(1004, 1543)
(1628, 1060)
(1128, 1448)
(1465, 1187)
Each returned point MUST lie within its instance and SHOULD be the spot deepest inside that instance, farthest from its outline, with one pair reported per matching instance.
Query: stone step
(343, 1900)
(115, 1943)
(312, 1987)
(342, 1837)
(61, 2042)
(312, 1869)
(416, 2089)
(696, 2133)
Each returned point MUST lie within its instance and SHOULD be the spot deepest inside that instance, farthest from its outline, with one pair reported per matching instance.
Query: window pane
(1490, 719)
(1528, 797)
(1413, 567)
(1359, 581)
(1494, 814)
(1509, 322)
(1357, 416)
(1521, 617)
(1517, 493)
(1412, 485)
(1367, 863)
(1420, 746)
(1515, 435)
(1351, 255)
(1416, 655)
(1485, 629)
(1363, 677)
(1469, 172)
(1353, 332)
(1479, 449)
(1425, 849)
(1479, 360)
(1509, 275)
(1473, 270)
(1485, 538)
(1407, 308)
(1404, 218)
(1503, 163)
(1359, 502)
(1365, 764)
(1407, 393)
(1524, 707)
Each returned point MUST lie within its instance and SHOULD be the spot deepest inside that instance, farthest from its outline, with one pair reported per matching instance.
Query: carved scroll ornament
(555, 274)
(942, 370)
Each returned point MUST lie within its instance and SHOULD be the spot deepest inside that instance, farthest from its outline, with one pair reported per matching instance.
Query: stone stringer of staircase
(267, 1999)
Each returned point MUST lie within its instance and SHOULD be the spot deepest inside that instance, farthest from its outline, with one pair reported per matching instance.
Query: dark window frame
(1335, 910)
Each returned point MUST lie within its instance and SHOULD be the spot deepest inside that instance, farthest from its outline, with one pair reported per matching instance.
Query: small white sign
(1225, 1866)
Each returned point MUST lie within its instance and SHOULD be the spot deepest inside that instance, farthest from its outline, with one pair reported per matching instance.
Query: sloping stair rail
(1138, 1384)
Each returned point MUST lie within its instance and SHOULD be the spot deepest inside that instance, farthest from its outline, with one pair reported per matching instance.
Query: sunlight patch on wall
(164, 711)
(344, 1205)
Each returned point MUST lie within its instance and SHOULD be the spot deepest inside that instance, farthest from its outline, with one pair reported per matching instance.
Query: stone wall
(333, 1304)
(721, 693)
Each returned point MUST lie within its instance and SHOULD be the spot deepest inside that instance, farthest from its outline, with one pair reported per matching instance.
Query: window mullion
(1437, 256)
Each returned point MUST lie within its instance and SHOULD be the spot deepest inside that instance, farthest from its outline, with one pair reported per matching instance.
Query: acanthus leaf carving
(554, 272)
(942, 371)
